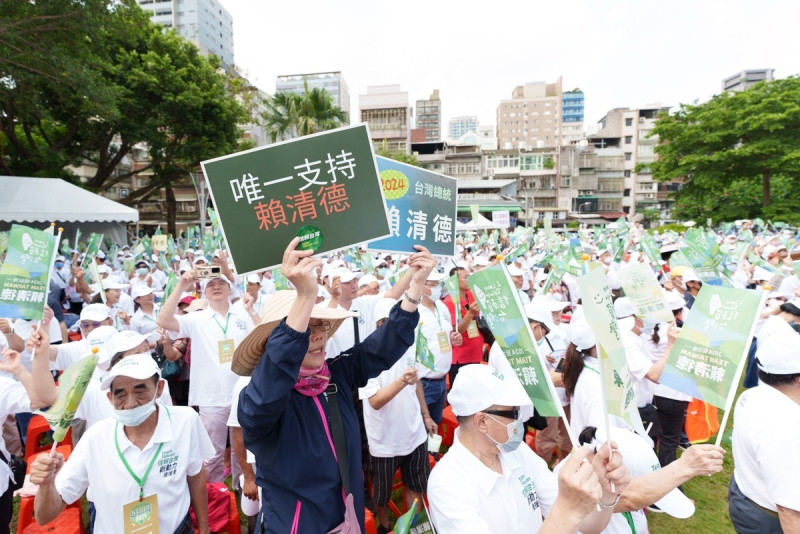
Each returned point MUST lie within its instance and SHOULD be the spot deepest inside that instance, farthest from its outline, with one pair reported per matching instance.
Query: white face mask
(515, 430)
(135, 416)
(436, 293)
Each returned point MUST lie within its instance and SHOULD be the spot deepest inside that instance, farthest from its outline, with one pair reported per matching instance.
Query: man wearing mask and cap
(92, 316)
(764, 495)
(215, 332)
(142, 468)
(487, 483)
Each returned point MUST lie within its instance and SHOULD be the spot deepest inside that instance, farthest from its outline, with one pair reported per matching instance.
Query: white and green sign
(617, 381)
(25, 275)
(712, 344)
(499, 302)
(323, 188)
(642, 288)
(421, 206)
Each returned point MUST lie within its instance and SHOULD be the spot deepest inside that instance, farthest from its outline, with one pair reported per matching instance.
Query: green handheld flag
(451, 284)
(25, 275)
(72, 386)
(404, 522)
(423, 352)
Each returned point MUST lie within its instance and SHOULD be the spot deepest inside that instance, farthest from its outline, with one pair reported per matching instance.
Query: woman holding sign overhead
(297, 413)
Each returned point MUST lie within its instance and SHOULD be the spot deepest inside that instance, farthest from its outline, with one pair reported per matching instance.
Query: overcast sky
(621, 53)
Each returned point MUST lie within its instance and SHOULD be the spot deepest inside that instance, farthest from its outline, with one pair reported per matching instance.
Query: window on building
(628, 139)
(628, 156)
(124, 192)
(627, 174)
(629, 122)
(626, 193)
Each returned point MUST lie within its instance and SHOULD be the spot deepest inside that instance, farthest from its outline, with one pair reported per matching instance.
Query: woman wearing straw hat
(288, 411)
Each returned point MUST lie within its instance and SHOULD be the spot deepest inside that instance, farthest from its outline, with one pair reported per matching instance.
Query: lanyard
(138, 480)
(227, 318)
(629, 518)
(438, 317)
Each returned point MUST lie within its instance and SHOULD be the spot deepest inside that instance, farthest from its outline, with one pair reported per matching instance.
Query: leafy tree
(290, 115)
(738, 153)
(118, 82)
(397, 155)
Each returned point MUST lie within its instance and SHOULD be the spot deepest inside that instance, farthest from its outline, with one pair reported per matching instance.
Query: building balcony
(586, 182)
(648, 198)
(537, 193)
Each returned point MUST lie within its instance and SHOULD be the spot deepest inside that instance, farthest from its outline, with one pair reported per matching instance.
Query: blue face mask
(382, 271)
(648, 325)
(59, 264)
(516, 433)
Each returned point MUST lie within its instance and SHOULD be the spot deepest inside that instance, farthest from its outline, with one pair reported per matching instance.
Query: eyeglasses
(324, 326)
(92, 324)
(510, 414)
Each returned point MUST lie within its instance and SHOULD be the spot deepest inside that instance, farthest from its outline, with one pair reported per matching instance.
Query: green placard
(25, 274)
(642, 288)
(265, 195)
(499, 302)
(712, 343)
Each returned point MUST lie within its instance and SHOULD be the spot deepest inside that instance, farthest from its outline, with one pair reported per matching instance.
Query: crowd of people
(310, 394)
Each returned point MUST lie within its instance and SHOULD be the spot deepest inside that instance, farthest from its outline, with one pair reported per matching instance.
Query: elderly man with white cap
(143, 467)
(764, 494)
(215, 332)
(486, 483)
(92, 316)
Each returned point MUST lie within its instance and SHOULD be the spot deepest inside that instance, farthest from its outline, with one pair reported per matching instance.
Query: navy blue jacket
(295, 466)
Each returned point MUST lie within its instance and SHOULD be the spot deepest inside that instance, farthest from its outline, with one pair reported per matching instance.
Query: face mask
(627, 323)
(142, 271)
(436, 293)
(59, 264)
(607, 260)
(516, 433)
(135, 416)
(382, 271)
(649, 324)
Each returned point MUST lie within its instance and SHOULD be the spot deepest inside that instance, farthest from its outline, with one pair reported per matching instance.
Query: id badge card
(141, 517)
(444, 341)
(226, 348)
(472, 330)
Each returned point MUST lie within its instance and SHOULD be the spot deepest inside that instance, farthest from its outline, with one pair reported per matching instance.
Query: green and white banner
(642, 288)
(451, 283)
(92, 248)
(617, 381)
(713, 344)
(499, 302)
(25, 275)
(323, 188)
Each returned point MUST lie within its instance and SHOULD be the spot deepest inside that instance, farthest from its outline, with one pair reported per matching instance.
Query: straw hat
(251, 349)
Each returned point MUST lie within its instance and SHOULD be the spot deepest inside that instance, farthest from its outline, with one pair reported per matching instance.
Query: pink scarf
(312, 382)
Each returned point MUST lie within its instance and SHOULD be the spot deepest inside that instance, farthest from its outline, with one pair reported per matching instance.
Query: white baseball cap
(674, 300)
(140, 290)
(366, 280)
(478, 386)
(436, 276)
(540, 314)
(100, 338)
(124, 340)
(623, 307)
(581, 334)
(513, 270)
(137, 366)
(641, 460)
(95, 312)
(345, 275)
(778, 351)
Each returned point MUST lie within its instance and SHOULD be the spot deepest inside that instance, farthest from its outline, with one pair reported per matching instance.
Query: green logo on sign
(395, 184)
(310, 238)
(140, 514)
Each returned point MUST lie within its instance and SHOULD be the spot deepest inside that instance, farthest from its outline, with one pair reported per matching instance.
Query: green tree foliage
(88, 80)
(739, 154)
(290, 115)
(402, 157)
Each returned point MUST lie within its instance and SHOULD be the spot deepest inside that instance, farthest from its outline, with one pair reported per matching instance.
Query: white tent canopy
(26, 200)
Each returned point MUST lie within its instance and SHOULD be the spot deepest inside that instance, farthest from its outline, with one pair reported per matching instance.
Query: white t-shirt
(766, 447)
(467, 496)
(69, 353)
(211, 382)
(146, 324)
(639, 364)
(586, 404)
(95, 465)
(434, 322)
(14, 399)
(344, 338)
(397, 428)
(233, 418)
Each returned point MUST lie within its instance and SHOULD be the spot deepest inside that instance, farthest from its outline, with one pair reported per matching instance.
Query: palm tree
(291, 115)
